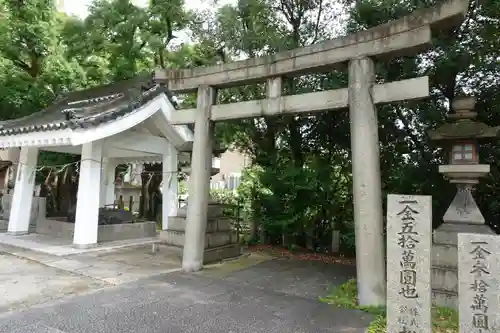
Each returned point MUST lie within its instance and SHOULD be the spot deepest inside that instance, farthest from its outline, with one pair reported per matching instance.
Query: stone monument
(460, 138)
(479, 274)
(409, 227)
(221, 241)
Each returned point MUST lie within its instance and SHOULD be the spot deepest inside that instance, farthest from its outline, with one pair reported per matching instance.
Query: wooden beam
(135, 141)
(312, 102)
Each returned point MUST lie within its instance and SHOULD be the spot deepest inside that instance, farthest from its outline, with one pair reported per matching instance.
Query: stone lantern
(460, 138)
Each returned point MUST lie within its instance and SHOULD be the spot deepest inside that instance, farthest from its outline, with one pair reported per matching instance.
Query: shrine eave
(37, 122)
(155, 106)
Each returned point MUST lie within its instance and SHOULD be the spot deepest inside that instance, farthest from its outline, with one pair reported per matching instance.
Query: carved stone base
(463, 208)
(444, 278)
(221, 242)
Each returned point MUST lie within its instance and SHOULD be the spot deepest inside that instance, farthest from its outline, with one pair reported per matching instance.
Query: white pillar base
(88, 197)
(17, 233)
(84, 246)
(22, 200)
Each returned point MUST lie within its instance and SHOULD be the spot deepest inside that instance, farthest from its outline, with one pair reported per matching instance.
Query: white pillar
(367, 192)
(107, 195)
(13, 156)
(22, 200)
(199, 183)
(170, 187)
(88, 197)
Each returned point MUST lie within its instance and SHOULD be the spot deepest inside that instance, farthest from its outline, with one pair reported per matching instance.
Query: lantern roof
(463, 125)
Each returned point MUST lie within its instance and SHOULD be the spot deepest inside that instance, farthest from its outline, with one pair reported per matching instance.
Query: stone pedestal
(445, 260)
(460, 138)
(220, 241)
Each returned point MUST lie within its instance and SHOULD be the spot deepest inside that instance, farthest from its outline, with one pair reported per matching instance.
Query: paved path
(273, 296)
(24, 283)
(112, 267)
(29, 277)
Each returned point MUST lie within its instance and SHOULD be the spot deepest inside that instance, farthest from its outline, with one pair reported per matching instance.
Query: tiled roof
(90, 107)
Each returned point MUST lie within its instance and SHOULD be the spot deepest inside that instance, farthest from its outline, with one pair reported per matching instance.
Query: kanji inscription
(409, 231)
(478, 273)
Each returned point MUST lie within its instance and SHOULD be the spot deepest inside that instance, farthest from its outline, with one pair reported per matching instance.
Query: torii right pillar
(367, 190)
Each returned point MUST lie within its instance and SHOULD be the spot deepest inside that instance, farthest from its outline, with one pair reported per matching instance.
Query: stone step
(445, 298)
(221, 253)
(444, 278)
(214, 211)
(212, 240)
(4, 226)
(447, 233)
(212, 255)
(444, 255)
(187, 147)
(176, 223)
(187, 170)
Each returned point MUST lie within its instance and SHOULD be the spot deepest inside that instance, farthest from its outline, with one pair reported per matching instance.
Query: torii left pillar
(88, 197)
(199, 182)
(22, 200)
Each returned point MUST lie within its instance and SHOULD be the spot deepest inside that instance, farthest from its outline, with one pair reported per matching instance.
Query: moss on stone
(226, 267)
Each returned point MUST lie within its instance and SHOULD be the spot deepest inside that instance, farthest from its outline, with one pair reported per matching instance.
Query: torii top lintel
(406, 36)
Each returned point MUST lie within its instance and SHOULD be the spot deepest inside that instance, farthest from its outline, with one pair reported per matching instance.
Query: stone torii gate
(406, 36)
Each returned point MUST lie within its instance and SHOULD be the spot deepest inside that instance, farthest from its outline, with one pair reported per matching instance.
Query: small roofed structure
(108, 125)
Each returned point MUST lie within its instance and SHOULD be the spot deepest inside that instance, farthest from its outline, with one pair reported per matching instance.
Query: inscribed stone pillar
(108, 181)
(478, 288)
(409, 241)
(367, 192)
(199, 183)
(170, 187)
(22, 199)
(87, 204)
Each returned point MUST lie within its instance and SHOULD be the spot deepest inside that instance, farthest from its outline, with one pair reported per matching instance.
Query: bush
(444, 320)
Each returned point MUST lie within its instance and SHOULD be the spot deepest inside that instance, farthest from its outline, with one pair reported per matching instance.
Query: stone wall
(38, 208)
(445, 261)
(40, 224)
(221, 242)
(105, 233)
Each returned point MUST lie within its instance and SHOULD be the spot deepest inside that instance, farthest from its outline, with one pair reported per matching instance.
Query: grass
(444, 320)
(226, 267)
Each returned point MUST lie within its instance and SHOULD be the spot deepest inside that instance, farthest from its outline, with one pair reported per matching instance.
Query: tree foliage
(299, 187)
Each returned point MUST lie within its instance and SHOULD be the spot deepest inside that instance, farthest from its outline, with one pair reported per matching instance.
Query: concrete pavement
(113, 266)
(25, 283)
(273, 296)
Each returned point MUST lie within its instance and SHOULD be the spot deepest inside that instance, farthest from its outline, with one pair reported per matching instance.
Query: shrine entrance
(116, 124)
(359, 52)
